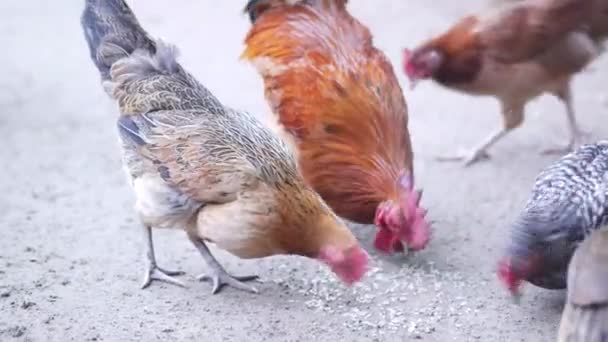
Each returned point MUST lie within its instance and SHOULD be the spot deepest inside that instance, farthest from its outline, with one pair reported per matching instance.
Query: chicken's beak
(516, 297)
(406, 249)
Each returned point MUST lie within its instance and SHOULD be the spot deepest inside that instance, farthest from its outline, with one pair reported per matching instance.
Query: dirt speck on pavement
(70, 251)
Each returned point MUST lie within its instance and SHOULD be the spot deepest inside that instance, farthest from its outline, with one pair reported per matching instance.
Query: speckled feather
(147, 79)
(192, 160)
(577, 184)
(180, 110)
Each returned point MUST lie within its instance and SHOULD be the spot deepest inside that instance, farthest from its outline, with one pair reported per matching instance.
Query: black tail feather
(251, 10)
(112, 32)
(255, 8)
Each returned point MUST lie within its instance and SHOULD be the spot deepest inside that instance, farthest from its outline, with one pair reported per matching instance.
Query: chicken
(198, 165)
(459, 59)
(542, 23)
(585, 317)
(569, 201)
(337, 101)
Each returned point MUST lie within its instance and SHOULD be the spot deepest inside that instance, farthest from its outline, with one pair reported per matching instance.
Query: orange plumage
(337, 96)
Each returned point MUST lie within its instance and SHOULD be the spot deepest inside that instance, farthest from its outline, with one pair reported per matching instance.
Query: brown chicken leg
(577, 135)
(513, 116)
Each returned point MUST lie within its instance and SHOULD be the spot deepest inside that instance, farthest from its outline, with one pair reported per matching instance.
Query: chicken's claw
(221, 278)
(468, 158)
(154, 272)
(576, 141)
(559, 150)
(516, 297)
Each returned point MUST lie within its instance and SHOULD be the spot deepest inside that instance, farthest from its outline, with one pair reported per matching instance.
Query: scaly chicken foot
(578, 137)
(467, 157)
(217, 274)
(478, 153)
(152, 271)
(221, 278)
(576, 140)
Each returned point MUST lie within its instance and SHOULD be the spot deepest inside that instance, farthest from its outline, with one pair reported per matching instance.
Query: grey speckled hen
(568, 202)
(195, 164)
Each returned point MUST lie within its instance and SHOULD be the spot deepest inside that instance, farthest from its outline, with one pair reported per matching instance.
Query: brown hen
(464, 59)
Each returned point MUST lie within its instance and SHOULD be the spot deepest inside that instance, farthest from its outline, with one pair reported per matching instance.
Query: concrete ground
(70, 250)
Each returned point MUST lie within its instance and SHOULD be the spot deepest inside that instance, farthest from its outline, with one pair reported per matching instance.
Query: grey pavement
(70, 247)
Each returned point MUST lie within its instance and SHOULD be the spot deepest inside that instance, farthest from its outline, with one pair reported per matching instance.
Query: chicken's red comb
(419, 228)
(384, 240)
(508, 277)
(398, 246)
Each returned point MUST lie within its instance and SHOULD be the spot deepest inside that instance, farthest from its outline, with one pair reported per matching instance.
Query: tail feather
(112, 32)
(142, 63)
(255, 8)
(124, 54)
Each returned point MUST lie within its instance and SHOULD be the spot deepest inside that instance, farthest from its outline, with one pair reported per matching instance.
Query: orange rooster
(464, 58)
(338, 102)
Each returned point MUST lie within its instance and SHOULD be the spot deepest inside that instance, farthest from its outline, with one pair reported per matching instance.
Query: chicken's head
(540, 250)
(403, 221)
(513, 271)
(421, 64)
(348, 264)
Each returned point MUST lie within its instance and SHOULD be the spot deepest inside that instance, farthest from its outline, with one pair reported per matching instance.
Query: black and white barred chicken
(568, 203)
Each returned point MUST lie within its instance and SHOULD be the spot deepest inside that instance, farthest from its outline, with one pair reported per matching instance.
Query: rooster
(337, 101)
(196, 164)
(585, 316)
(460, 59)
(568, 202)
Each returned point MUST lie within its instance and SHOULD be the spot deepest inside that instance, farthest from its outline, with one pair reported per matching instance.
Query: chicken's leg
(217, 274)
(577, 135)
(513, 115)
(152, 271)
(479, 152)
